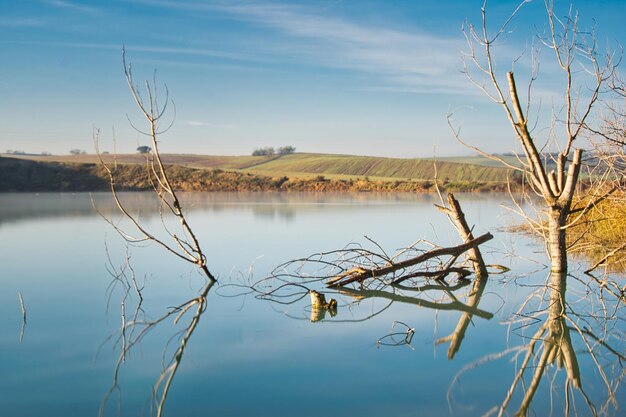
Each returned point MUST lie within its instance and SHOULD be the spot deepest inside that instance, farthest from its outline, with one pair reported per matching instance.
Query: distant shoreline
(28, 174)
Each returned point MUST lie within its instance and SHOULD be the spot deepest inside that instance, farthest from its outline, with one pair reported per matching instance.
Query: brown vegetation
(26, 175)
(601, 233)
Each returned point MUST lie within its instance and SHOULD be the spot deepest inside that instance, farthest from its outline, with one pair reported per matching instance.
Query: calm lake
(260, 356)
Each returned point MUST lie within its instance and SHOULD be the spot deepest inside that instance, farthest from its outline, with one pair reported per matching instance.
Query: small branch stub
(319, 306)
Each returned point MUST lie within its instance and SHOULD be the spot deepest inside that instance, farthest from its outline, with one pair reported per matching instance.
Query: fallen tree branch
(361, 274)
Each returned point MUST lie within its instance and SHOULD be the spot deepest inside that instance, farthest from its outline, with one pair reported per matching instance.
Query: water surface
(250, 356)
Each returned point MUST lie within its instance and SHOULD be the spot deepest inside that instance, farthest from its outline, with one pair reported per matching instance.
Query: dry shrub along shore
(601, 233)
(21, 174)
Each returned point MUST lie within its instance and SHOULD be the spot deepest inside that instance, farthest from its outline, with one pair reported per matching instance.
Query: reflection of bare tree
(418, 297)
(438, 304)
(457, 336)
(552, 344)
(19, 295)
(557, 347)
(135, 327)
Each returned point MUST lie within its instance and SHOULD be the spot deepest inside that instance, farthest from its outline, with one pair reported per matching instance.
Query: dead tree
(182, 244)
(360, 272)
(551, 162)
(375, 270)
(550, 165)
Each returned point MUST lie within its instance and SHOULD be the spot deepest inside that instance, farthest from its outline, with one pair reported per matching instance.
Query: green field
(306, 165)
(379, 168)
(482, 160)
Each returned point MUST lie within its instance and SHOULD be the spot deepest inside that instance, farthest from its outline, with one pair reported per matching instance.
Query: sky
(365, 77)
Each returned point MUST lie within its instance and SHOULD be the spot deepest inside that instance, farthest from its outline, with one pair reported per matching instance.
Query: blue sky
(360, 77)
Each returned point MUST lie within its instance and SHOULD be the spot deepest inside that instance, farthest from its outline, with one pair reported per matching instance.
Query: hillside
(304, 165)
(22, 174)
(381, 168)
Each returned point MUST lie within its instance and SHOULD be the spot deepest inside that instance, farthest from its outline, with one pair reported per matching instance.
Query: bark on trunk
(465, 231)
(557, 245)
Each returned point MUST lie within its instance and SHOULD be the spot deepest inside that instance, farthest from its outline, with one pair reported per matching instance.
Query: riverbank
(22, 175)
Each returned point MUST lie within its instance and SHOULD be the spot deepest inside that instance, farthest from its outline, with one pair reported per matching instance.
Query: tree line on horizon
(268, 150)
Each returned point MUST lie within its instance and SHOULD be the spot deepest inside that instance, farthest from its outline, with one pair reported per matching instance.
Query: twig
(19, 295)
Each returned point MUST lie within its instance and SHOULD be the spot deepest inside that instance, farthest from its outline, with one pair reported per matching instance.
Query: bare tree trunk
(558, 285)
(466, 234)
(557, 245)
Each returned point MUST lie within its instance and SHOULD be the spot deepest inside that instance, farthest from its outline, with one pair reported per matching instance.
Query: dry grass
(602, 230)
(596, 234)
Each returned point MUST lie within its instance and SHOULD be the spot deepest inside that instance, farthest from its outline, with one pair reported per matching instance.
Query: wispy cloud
(193, 51)
(82, 8)
(153, 49)
(9, 22)
(409, 59)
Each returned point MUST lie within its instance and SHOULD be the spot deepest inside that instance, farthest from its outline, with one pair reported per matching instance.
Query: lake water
(251, 356)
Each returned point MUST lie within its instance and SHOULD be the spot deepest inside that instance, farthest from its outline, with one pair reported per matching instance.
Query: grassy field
(304, 165)
(481, 160)
(387, 168)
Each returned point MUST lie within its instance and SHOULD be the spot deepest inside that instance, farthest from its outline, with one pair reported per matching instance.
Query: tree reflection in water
(563, 331)
(135, 326)
(586, 323)
(554, 329)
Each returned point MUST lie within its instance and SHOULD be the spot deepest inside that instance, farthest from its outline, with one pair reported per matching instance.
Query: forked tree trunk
(556, 188)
